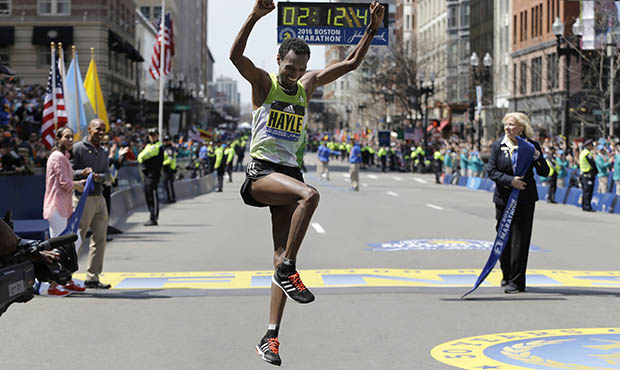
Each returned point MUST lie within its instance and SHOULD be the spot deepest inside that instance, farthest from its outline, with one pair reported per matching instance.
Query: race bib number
(286, 121)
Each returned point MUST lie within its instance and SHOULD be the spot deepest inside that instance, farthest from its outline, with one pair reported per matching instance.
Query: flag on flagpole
(75, 93)
(53, 107)
(167, 35)
(93, 90)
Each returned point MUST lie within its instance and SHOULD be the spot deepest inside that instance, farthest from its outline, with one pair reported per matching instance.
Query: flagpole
(53, 55)
(61, 67)
(77, 92)
(92, 57)
(161, 69)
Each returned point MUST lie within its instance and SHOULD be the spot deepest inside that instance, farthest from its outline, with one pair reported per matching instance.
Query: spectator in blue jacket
(464, 162)
(603, 164)
(322, 168)
(617, 169)
(475, 164)
(561, 164)
(355, 160)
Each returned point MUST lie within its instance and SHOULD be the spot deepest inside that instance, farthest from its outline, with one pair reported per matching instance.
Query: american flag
(168, 37)
(53, 109)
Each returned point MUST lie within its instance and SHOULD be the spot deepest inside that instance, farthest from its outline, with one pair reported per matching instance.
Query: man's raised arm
(256, 76)
(354, 59)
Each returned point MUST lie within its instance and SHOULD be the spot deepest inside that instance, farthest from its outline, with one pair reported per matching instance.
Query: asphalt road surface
(388, 265)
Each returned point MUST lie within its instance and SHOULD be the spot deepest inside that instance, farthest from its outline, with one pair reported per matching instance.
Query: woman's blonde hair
(523, 120)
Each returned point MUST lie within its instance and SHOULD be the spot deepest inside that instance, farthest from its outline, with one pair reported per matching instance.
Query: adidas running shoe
(292, 286)
(268, 349)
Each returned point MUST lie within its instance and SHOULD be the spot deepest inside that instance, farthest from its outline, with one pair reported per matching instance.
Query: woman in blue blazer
(500, 169)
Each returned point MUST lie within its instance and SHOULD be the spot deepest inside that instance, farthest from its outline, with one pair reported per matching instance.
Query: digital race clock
(328, 23)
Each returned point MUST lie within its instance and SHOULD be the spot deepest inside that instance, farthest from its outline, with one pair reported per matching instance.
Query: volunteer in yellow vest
(553, 175)
(229, 155)
(220, 165)
(170, 168)
(437, 164)
(152, 159)
(273, 176)
(587, 166)
(382, 154)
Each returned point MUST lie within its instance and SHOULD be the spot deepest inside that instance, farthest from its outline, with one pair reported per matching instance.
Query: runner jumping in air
(273, 176)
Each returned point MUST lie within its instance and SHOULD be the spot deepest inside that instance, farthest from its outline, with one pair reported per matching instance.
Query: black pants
(229, 170)
(383, 160)
(107, 194)
(150, 193)
(437, 169)
(514, 258)
(239, 165)
(169, 185)
(587, 185)
(553, 186)
(220, 176)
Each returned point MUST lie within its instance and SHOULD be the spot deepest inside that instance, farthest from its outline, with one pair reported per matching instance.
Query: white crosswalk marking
(421, 181)
(374, 177)
(434, 206)
(346, 175)
(392, 193)
(397, 178)
(319, 229)
(364, 185)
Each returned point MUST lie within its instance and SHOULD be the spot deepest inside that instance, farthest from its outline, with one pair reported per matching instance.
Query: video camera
(21, 262)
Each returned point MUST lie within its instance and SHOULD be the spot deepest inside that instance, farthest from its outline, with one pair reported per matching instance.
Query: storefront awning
(7, 36)
(117, 44)
(43, 35)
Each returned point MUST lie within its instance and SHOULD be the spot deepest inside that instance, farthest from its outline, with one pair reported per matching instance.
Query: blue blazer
(500, 171)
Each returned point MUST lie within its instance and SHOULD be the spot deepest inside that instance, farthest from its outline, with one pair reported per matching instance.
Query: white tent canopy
(244, 126)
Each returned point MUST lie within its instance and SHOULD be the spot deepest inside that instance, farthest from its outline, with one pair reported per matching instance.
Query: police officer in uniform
(553, 177)
(587, 166)
(220, 166)
(170, 168)
(152, 160)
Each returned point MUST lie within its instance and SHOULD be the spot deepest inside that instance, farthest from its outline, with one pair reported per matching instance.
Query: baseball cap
(6, 70)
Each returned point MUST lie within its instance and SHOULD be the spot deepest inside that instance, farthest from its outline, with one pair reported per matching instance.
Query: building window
(514, 29)
(156, 12)
(465, 15)
(5, 7)
(452, 17)
(534, 10)
(5, 55)
(540, 20)
(557, 8)
(408, 26)
(54, 7)
(536, 74)
(521, 26)
(44, 57)
(525, 25)
(146, 11)
(548, 16)
(553, 75)
(514, 79)
(523, 78)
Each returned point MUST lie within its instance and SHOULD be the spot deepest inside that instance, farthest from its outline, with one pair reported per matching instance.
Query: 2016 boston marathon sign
(328, 23)
(577, 349)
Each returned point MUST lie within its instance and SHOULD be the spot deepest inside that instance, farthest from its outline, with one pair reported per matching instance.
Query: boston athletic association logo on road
(436, 244)
(576, 349)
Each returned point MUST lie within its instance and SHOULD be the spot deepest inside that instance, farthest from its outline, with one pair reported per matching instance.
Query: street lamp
(479, 77)
(612, 38)
(567, 51)
(426, 92)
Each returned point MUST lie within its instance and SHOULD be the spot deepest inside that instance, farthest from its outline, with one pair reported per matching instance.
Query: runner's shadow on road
(511, 298)
(575, 291)
(132, 294)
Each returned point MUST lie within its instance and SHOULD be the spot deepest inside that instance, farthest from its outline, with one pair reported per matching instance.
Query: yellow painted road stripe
(340, 278)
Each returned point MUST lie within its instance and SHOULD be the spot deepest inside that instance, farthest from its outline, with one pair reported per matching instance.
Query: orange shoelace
(274, 345)
(297, 282)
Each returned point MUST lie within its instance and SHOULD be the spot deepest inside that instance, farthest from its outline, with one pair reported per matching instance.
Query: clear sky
(225, 18)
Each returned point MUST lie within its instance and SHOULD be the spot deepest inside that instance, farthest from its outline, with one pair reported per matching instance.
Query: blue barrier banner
(525, 155)
(73, 223)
